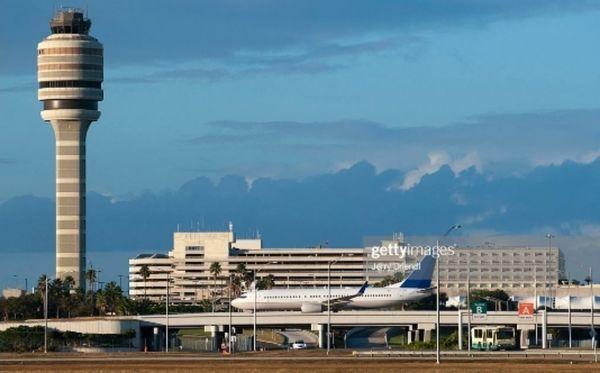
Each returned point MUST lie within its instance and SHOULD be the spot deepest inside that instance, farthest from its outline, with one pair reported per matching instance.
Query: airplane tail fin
(420, 278)
(363, 288)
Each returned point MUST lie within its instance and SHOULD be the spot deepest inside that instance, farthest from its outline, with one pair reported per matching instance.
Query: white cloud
(435, 161)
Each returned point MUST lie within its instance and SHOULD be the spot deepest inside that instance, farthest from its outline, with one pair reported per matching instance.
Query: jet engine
(311, 307)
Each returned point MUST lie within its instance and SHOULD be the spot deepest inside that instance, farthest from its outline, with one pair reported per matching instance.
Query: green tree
(113, 296)
(56, 295)
(494, 298)
(215, 270)
(145, 273)
(269, 281)
(388, 280)
(91, 275)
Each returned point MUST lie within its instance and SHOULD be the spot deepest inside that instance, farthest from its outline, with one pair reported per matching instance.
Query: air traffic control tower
(70, 74)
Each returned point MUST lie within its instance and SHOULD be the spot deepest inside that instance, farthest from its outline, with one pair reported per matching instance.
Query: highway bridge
(419, 324)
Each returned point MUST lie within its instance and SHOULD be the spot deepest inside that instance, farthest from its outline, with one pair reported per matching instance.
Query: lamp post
(570, 329)
(535, 297)
(437, 306)
(468, 305)
(593, 331)
(329, 264)
(229, 340)
(46, 315)
(255, 294)
(167, 314)
(547, 290)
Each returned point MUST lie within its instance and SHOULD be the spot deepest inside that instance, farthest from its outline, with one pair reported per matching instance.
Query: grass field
(291, 365)
(296, 361)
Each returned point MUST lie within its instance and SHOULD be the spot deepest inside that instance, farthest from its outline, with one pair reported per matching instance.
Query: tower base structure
(70, 130)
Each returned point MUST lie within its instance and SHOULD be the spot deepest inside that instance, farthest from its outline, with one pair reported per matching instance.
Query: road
(293, 335)
(367, 337)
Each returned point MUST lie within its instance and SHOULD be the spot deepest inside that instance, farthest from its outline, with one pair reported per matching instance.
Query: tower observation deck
(70, 74)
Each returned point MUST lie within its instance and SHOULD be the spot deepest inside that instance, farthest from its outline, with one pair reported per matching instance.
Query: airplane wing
(341, 301)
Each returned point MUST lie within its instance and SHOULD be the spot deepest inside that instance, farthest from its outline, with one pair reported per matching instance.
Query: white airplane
(415, 287)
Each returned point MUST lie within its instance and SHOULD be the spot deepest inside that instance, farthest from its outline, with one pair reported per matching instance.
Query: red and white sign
(526, 310)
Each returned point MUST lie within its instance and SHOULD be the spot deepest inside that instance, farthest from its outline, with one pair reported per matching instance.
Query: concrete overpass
(420, 324)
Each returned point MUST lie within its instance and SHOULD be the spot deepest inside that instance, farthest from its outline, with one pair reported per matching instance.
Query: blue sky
(498, 90)
(296, 88)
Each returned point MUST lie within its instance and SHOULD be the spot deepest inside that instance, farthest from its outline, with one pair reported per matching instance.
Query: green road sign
(479, 310)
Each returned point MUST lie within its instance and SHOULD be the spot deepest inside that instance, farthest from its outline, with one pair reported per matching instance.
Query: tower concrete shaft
(70, 198)
(70, 74)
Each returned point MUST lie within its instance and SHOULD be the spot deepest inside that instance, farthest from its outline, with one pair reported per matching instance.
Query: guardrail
(457, 355)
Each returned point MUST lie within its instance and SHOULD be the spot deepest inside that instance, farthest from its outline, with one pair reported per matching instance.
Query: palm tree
(241, 269)
(246, 277)
(101, 302)
(215, 270)
(145, 273)
(41, 289)
(236, 285)
(68, 293)
(69, 283)
(56, 291)
(112, 296)
(269, 281)
(91, 275)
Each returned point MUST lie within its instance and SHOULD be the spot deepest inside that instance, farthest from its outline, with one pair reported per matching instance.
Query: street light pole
(570, 331)
(167, 315)
(592, 312)
(437, 306)
(547, 290)
(255, 294)
(46, 315)
(329, 264)
(469, 304)
(535, 300)
(437, 279)
(229, 340)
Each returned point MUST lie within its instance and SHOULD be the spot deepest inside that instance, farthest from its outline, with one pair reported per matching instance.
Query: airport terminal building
(187, 266)
(516, 270)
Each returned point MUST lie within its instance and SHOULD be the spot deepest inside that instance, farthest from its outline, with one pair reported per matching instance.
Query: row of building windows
(69, 66)
(70, 50)
(70, 84)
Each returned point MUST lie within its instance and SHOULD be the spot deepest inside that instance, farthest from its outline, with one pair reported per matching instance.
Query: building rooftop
(152, 256)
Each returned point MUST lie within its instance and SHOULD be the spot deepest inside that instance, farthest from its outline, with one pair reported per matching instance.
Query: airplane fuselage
(315, 300)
